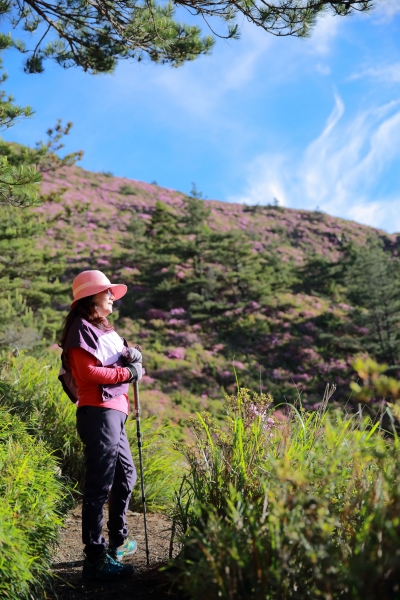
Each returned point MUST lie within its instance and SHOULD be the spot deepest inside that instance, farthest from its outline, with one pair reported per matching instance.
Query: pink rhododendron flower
(344, 306)
(178, 353)
(225, 374)
(156, 313)
(218, 347)
(175, 322)
(178, 311)
(237, 364)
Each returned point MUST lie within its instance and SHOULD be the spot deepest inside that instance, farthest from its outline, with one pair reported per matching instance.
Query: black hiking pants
(110, 474)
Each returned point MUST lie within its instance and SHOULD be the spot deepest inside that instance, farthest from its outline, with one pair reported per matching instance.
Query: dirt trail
(147, 582)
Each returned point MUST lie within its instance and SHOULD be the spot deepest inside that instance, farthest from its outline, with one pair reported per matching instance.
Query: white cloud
(372, 213)
(383, 73)
(268, 182)
(324, 33)
(341, 171)
(323, 69)
(203, 88)
(385, 10)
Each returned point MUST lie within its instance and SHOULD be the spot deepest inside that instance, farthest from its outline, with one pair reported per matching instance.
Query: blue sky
(312, 122)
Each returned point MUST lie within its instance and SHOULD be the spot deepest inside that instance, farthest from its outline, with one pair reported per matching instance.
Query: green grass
(265, 509)
(29, 388)
(302, 508)
(32, 499)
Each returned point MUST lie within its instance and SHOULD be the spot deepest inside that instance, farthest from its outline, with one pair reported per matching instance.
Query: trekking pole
(139, 437)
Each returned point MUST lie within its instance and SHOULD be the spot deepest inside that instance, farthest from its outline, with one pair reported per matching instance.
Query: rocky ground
(148, 582)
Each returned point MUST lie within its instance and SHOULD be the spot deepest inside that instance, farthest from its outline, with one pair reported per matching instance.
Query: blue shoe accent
(105, 569)
(128, 548)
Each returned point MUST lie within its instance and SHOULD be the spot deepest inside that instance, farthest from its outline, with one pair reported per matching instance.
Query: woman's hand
(136, 370)
(133, 362)
(133, 355)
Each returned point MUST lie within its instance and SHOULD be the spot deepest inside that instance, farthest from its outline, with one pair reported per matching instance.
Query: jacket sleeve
(88, 371)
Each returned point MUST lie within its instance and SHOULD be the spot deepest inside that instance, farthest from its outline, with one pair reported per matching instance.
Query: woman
(97, 367)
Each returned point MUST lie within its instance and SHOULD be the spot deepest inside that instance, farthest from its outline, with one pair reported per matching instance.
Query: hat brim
(118, 289)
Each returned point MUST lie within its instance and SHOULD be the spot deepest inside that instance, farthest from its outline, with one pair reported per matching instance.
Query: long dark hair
(85, 309)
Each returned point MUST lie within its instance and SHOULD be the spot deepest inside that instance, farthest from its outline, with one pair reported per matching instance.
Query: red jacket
(89, 376)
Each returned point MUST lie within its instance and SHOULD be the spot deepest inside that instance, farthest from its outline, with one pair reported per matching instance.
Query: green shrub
(163, 464)
(127, 190)
(29, 387)
(303, 508)
(31, 497)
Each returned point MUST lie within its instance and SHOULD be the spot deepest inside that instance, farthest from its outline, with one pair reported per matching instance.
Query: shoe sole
(124, 555)
(130, 553)
(123, 575)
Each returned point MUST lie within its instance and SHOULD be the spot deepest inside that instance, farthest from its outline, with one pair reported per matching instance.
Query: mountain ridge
(93, 194)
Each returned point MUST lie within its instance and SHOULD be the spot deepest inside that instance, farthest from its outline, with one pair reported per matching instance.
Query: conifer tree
(18, 183)
(95, 35)
(183, 263)
(43, 157)
(374, 288)
(21, 167)
(31, 290)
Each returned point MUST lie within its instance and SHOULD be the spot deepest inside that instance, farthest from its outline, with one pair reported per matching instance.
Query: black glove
(136, 371)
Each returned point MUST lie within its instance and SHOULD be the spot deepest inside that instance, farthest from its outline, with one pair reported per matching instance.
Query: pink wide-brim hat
(89, 283)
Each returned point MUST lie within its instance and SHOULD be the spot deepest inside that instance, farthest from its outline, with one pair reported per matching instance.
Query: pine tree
(95, 35)
(19, 184)
(374, 288)
(29, 279)
(183, 263)
(21, 167)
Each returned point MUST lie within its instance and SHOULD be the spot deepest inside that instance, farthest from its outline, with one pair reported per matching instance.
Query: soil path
(147, 581)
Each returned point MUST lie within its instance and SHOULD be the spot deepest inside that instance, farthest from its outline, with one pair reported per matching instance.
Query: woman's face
(104, 302)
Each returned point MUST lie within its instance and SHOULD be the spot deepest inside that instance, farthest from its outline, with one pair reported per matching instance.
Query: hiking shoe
(105, 569)
(128, 548)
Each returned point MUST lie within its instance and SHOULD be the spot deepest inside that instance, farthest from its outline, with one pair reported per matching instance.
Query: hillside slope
(216, 290)
(96, 203)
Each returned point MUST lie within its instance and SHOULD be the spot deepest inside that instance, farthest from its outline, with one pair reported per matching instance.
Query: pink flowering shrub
(156, 313)
(226, 374)
(218, 348)
(177, 311)
(176, 322)
(237, 364)
(178, 353)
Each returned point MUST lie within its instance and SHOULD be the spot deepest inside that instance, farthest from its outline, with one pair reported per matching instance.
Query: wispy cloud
(389, 73)
(323, 69)
(325, 32)
(204, 87)
(386, 10)
(200, 88)
(341, 171)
